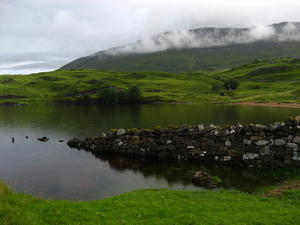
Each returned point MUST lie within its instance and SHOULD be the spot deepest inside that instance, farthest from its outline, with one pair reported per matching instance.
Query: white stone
(296, 140)
(290, 138)
(262, 142)
(169, 142)
(277, 125)
(265, 151)
(121, 132)
(279, 142)
(201, 127)
(212, 126)
(247, 142)
(216, 133)
(227, 158)
(190, 147)
(296, 156)
(216, 158)
(250, 156)
(203, 154)
(292, 146)
(232, 132)
(120, 143)
(178, 157)
(228, 143)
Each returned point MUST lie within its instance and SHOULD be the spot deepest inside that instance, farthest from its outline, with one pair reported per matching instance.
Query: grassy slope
(273, 80)
(182, 60)
(153, 207)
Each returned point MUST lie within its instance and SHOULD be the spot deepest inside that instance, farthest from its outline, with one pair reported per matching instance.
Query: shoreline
(268, 104)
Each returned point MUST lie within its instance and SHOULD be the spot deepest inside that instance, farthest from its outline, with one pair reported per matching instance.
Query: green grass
(153, 207)
(272, 80)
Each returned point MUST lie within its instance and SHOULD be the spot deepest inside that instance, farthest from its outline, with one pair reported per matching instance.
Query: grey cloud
(209, 37)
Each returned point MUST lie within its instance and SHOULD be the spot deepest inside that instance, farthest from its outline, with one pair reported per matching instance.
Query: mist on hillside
(209, 37)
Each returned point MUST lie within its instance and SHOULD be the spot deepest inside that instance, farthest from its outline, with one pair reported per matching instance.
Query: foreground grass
(272, 80)
(153, 207)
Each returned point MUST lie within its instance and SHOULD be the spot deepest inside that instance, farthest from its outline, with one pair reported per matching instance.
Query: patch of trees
(109, 96)
(229, 85)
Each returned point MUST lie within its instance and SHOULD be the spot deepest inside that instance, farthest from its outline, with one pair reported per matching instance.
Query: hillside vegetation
(183, 60)
(153, 207)
(272, 80)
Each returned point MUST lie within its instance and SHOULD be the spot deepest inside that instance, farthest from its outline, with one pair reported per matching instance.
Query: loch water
(52, 170)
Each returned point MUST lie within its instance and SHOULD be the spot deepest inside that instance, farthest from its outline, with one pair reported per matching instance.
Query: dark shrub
(231, 84)
(134, 95)
(114, 96)
(108, 96)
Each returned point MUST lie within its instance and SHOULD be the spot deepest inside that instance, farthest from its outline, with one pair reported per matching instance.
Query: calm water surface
(53, 170)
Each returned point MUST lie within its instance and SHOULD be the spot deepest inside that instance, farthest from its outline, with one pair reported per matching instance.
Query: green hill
(272, 80)
(197, 49)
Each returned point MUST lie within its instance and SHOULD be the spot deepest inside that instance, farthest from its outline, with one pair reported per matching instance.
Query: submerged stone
(43, 139)
(203, 178)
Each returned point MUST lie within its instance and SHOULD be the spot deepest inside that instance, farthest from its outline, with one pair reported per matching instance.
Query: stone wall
(247, 145)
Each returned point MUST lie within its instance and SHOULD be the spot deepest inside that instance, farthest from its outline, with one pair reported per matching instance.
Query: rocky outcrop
(247, 145)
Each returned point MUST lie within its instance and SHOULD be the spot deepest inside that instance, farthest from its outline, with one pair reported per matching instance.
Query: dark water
(53, 170)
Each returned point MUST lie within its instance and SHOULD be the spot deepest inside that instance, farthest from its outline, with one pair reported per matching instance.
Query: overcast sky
(42, 35)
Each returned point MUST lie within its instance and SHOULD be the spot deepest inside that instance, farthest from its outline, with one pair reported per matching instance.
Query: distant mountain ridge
(197, 49)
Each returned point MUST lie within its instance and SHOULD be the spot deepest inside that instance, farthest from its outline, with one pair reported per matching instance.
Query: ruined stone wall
(246, 145)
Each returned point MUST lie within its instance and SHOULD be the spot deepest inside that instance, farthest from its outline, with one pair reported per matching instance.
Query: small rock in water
(26, 137)
(203, 178)
(43, 139)
(61, 141)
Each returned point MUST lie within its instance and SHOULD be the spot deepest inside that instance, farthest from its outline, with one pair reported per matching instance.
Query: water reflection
(182, 172)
